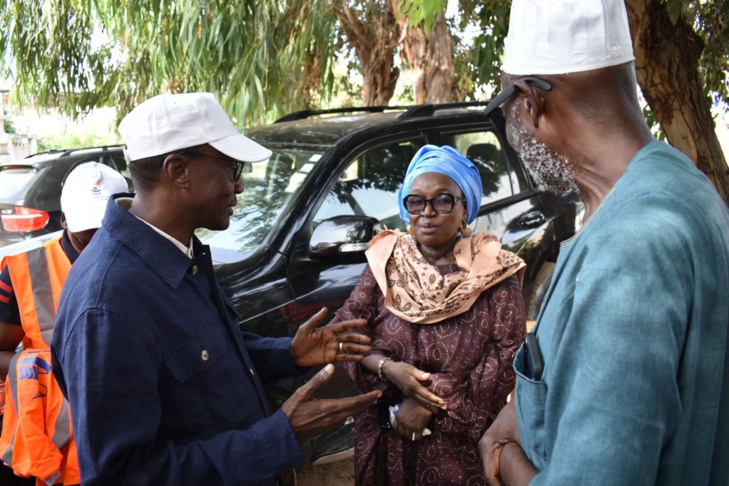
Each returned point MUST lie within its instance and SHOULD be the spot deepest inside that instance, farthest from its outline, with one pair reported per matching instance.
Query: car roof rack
(430, 108)
(303, 114)
(410, 111)
(71, 150)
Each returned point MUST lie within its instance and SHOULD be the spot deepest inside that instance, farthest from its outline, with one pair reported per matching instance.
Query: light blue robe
(633, 336)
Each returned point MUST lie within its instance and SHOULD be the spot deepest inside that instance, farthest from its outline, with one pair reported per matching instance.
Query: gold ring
(341, 347)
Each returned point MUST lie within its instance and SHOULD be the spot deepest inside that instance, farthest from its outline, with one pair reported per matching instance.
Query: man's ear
(175, 169)
(64, 225)
(531, 100)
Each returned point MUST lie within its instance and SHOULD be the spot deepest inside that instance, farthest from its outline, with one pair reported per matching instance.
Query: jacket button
(194, 269)
(204, 355)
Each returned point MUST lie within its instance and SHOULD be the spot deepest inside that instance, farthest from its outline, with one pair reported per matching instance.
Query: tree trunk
(374, 37)
(430, 57)
(666, 61)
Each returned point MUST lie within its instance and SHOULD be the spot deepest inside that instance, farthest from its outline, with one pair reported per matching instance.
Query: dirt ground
(339, 473)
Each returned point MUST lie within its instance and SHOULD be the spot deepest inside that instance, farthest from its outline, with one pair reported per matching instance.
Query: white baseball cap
(85, 193)
(170, 122)
(566, 36)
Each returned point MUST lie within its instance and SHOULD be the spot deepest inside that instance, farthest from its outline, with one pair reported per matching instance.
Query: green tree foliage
(711, 23)
(261, 57)
(8, 126)
(709, 18)
(73, 140)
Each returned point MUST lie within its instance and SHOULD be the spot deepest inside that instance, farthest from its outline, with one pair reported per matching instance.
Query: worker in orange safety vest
(37, 438)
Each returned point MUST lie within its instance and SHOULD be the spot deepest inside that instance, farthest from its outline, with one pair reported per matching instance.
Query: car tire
(539, 290)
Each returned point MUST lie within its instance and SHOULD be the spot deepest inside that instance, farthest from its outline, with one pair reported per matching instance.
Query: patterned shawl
(416, 291)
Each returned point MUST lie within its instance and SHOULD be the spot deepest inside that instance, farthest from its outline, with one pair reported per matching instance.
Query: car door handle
(532, 220)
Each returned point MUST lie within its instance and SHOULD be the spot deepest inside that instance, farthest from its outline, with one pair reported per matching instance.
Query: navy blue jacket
(163, 388)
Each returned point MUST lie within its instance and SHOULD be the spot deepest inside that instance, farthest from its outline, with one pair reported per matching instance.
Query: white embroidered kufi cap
(566, 36)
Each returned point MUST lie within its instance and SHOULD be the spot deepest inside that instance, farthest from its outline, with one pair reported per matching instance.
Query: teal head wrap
(449, 161)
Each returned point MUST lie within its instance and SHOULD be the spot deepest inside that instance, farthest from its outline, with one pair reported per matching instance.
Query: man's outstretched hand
(310, 417)
(314, 345)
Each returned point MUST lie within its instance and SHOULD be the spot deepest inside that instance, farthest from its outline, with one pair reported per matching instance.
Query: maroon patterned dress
(469, 357)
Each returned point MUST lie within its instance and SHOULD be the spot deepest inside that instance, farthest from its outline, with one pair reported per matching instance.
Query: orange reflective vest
(37, 439)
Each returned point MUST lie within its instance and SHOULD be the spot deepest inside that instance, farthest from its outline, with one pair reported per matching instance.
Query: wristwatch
(380, 375)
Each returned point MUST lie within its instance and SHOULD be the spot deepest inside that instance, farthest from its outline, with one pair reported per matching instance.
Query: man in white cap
(36, 437)
(627, 378)
(144, 319)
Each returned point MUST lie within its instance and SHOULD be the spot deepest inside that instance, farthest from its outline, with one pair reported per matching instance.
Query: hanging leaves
(260, 57)
(78, 54)
(674, 8)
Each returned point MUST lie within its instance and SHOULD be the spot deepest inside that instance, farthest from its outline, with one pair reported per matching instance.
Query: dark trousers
(7, 478)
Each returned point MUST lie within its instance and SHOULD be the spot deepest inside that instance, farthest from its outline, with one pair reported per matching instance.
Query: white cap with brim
(566, 36)
(85, 193)
(170, 122)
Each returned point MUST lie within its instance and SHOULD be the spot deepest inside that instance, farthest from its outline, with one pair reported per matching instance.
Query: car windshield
(269, 186)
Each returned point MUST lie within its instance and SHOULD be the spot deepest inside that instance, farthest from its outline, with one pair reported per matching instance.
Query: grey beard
(550, 171)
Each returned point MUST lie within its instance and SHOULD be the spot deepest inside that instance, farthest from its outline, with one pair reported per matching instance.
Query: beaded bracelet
(380, 365)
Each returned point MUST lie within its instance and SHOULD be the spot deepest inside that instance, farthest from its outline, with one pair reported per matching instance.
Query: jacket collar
(160, 254)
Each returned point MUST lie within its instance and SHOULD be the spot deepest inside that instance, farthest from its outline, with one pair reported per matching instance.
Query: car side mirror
(342, 237)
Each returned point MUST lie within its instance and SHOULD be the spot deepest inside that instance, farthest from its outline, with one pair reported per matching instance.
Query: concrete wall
(17, 145)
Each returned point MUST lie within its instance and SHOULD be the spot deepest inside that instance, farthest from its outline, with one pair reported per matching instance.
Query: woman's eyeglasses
(442, 203)
(237, 171)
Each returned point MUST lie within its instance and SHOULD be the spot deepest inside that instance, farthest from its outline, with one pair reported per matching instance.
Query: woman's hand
(409, 380)
(340, 341)
(411, 419)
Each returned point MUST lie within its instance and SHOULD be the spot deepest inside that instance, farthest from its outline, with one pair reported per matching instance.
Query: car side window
(485, 151)
(369, 185)
(119, 163)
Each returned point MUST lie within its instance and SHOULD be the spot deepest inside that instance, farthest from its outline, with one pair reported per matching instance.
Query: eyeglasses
(237, 171)
(442, 203)
(509, 91)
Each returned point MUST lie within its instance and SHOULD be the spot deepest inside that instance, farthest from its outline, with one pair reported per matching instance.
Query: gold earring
(410, 230)
(465, 228)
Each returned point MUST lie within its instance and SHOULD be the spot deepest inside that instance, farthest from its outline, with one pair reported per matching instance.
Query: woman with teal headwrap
(449, 161)
(446, 315)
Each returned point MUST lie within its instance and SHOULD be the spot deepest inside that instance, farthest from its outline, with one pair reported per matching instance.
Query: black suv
(297, 239)
(30, 189)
